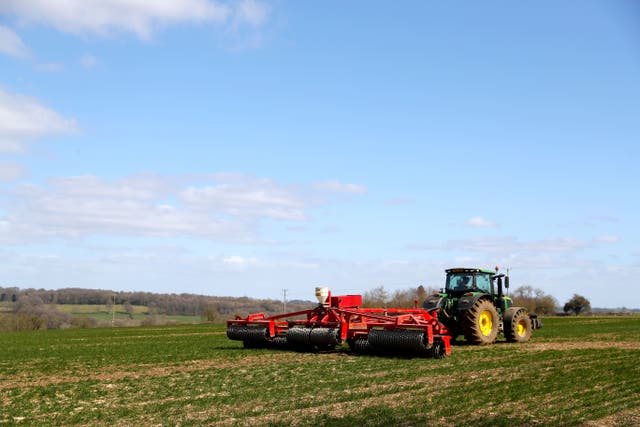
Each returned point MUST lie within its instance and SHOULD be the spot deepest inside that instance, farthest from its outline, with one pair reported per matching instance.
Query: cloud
(506, 245)
(603, 219)
(139, 17)
(400, 201)
(23, 118)
(221, 207)
(236, 262)
(11, 44)
(607, 239)
(87, 205)
(10, 171)
(251, 12)
(246, 197)
(480, 222)
(51, 67)
(338, 187)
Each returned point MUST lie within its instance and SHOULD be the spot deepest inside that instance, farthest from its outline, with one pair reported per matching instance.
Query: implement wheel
(480, 323)
(517, 325)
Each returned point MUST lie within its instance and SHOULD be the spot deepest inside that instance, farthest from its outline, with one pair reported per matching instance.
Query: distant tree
(129, 309)
(210, 313)
(406, 298)
(376, 297)
(534, 300)
(577, 304)
(109, 303)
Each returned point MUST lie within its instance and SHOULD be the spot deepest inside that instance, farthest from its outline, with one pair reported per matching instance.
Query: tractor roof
(470, 270)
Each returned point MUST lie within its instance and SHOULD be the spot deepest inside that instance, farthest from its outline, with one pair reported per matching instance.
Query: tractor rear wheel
(480, 323)
(517, 326)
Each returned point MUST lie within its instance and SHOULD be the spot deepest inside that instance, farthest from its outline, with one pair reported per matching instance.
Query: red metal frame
(353, 322)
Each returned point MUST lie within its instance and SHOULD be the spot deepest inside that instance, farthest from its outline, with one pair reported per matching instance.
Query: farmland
(575, 371)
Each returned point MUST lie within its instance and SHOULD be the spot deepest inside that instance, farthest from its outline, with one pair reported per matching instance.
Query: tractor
(473, 304)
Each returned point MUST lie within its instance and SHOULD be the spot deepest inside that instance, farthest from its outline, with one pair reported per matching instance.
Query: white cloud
(338, 187)
(11, 44)
(251, 12)
(247, 197)
(221, 207)
(603, 219)
(507, 245)
(23, 118)
(51, 67)
(140, 17)
(607, 239)
(87, 205)
(400, 201)
(10, 171)
(236, 262)
(478, 221)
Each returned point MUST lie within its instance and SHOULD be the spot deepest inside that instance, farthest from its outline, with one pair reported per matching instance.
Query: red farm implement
(339, 319)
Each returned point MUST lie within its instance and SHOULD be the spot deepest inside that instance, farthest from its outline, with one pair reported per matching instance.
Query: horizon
(508, 292)
(248, 147)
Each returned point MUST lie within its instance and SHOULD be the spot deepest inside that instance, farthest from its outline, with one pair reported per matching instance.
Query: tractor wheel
(517, 325)
(480, 323)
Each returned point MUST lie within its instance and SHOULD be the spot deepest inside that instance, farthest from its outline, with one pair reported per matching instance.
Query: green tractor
(473, 304)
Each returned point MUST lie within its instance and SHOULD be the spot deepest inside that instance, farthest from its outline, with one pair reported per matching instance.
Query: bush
(83, 322)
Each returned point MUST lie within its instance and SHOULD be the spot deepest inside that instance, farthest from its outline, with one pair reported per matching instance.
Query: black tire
(480, 323)
(517, 325)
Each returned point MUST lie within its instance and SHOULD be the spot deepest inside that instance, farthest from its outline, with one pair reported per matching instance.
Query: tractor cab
(464, 280)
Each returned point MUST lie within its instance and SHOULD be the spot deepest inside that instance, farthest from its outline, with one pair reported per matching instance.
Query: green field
(575, 371)
(105, 314)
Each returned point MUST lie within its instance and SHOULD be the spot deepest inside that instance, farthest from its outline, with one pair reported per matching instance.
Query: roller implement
(340, 319)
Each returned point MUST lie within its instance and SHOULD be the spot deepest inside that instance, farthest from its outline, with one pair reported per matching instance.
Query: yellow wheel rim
(522, 328)
(486, 323)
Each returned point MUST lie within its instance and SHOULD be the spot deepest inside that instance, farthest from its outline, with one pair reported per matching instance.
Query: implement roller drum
(400, 339)
(299, 336)
(320, 337)
(361, 346)
(324, 337)
(254, 334)
(279, 342)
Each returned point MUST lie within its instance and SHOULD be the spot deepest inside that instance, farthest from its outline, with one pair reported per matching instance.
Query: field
(104, 314)
(575, 371)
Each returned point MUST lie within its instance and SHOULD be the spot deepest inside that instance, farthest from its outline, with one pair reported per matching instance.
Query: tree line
(35, 308)
(533, 299)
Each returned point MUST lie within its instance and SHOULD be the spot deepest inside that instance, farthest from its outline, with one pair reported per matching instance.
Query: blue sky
(242, 148)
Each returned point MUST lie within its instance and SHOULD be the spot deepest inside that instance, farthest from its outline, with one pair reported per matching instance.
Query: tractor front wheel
(517, 325)
(480, 323)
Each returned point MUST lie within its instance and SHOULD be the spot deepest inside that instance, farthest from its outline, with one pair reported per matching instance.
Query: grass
(575, 371)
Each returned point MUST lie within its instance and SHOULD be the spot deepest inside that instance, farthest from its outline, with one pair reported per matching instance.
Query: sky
(241, 148)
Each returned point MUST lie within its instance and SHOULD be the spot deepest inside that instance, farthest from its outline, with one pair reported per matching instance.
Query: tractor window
(483, 282)
(459, 282)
